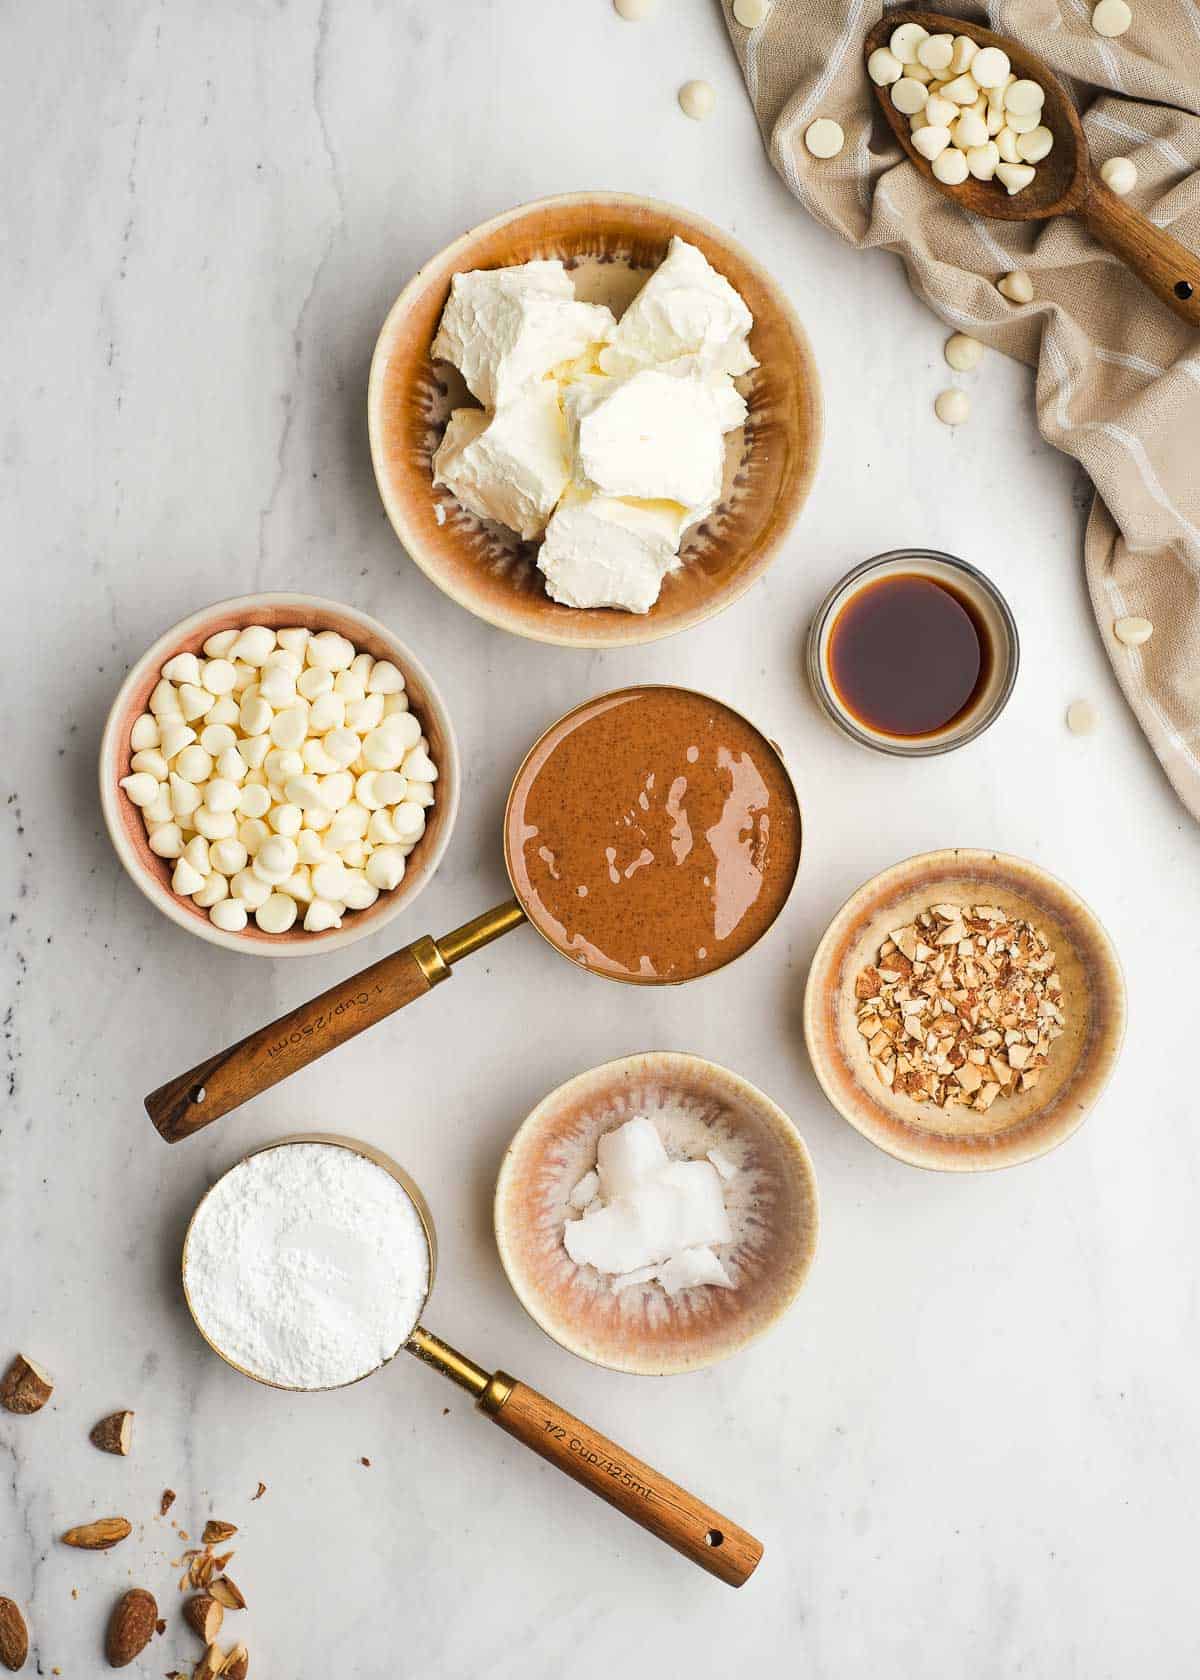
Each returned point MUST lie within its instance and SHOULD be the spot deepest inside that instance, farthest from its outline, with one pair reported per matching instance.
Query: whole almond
(130, 1627)
(113, 1434)
(215, 1532)
(237, 1664)
(204, 1616)
(98, 1536)
(14, 1636)
(25, 1387)
(227, 1592)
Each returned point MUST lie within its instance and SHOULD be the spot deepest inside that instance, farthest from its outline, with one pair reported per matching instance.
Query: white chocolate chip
(941, 111)
(1017, 286)
(905, 40)
(990, 67)
(1081, 717)
(321, 915)
(166, 841)
(141, 787)
(970, 130)
(218, 645)
(144, 733)
(1119, 175)
(964, 53)
(908, 95)
(1018, 125)
(1024, 97)
(982, 160)
(1111, 18)
(1035, 145)
(1134, 632)
(253, 645)
(183, 668)
(1016, 176)
(385, 868)
(750, 13)
(935, 51)
(824, 138)
(1006, 144)
(963, 352)
(185, 880)
(229, 914)
(696, 100)
(884, 67)
(276, 914)
(931, 141)
(963, 90)
(950, 167)
(952, 406)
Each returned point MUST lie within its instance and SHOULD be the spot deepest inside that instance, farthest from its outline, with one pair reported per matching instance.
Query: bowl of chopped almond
(964, 1011)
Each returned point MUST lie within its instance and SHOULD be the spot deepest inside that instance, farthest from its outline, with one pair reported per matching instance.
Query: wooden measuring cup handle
(667, 1511)
(196, 1098)
(1170, 270)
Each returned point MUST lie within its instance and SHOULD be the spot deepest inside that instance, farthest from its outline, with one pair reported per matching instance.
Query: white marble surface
(971, 1449)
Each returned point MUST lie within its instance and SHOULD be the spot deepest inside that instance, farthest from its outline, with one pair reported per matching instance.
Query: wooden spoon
(1065, 183)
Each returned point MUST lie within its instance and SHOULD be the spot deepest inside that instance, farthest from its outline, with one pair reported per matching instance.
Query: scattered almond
(227, 1593)
(168, 1499)
(130, 1627)
(204, 1616)
(98, 1536)
(114, 1434)
(25, 1387)
(215, 1532)
(14, 1636)
(210, 1664)
(961, 1006)
(237, 1664)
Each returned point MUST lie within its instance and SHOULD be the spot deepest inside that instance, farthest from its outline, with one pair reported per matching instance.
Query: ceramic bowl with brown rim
(152, 874)
(771, 1201)
(611, 242)
(1016, 1128)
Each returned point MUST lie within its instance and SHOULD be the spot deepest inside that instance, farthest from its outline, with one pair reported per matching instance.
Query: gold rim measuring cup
(649, 1499)
(212, 1088)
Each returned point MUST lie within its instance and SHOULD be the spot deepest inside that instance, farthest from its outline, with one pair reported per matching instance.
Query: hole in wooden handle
(1184, 290)
(714, 1537)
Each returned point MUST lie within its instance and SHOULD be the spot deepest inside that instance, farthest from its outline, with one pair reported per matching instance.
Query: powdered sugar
(307, 1265)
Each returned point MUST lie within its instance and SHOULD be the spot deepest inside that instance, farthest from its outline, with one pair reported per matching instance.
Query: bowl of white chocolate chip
(279, 774)
(593, 420)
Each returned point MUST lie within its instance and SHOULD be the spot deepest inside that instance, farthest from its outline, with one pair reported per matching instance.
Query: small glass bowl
(993, 611)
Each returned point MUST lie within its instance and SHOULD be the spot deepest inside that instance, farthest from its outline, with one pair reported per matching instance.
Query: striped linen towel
(1118, 376)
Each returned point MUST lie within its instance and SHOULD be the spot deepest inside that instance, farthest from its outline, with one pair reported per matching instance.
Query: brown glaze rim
(614, 693)
(152, 874)
(893, 1123)
(740, 1317)
(785, 422)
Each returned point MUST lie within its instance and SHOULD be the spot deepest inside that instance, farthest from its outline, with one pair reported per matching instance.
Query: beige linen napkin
(1118, 376)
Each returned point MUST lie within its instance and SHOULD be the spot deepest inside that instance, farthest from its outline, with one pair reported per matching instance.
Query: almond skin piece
(237, 1664)
(210, 1664)
(98, 1536)
(204, 1616)
(130, 1627)
(227, 1592)
(215, 1532)
(14, 1637)
(25, 1387)
(114, 1434)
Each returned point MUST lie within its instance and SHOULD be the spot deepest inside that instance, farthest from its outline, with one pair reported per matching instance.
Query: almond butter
(98, 1536)
(237, 1664)
(113, 1434)
(228, 1593)
(215, 1532)
(25, 1387)
(14, 1636)
(130, 1627)
(204, 1616)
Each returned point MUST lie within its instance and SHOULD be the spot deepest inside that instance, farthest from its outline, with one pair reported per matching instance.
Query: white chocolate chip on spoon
(982, 160)
(931, 141)
(963, 90)
(1035, 145)
(1081, 717)
(962, 352)
(1017, 286)
(1111, 18)
(884, 67)
(1119, 175)
(1024, 97)
(935, 51)
(1015, 176)
(905, 41)
(696, 100)
(952, 406)
(990, 68)
(909, 95)
(950, 167)
(824, 138)
(1134, 632)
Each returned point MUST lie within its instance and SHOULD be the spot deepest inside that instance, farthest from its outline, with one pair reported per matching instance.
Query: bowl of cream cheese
(593, 420)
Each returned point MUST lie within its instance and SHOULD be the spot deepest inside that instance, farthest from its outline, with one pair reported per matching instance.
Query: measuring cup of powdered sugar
(308, 1267)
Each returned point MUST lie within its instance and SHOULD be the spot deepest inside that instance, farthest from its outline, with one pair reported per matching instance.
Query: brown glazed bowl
(1014, 1129)
(772, 1203)
(612, 241)
(152, 874)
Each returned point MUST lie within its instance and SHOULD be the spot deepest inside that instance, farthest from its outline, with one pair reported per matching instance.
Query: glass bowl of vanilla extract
(913, 653)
